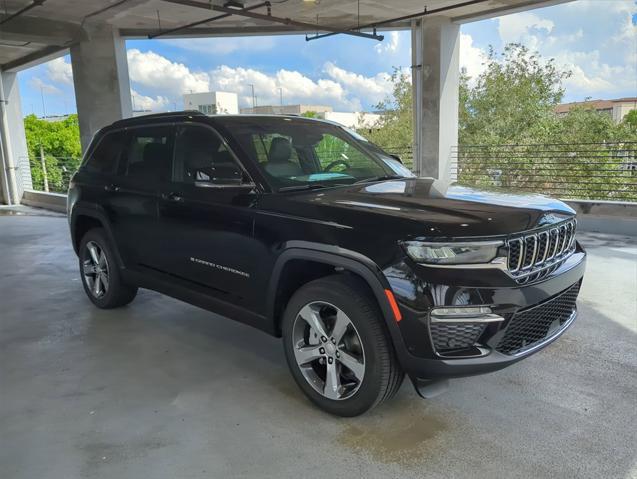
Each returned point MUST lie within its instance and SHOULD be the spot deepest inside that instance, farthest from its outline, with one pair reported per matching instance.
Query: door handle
(172, 196)
(111, 187)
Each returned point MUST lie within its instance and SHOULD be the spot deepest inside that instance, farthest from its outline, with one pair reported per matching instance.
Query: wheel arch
(335, 259)
(85, 219)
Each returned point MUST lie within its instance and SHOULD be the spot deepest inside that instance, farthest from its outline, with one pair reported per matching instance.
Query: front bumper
(494, 345)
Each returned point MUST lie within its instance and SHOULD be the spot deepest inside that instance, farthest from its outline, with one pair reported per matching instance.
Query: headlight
(452, 253)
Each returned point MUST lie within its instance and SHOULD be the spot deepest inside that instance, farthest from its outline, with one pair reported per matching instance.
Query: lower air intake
(450, 336)
(531, 326)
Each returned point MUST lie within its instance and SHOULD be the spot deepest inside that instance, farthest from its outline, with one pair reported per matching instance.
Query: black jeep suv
(305, 230)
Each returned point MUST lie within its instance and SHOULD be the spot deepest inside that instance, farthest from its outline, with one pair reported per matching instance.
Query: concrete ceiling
(46, 30)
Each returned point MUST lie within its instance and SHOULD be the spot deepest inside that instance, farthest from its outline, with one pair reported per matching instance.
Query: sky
(595, 39)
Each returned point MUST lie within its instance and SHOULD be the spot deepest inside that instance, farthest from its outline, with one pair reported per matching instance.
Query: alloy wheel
(328, 350)
(95, 269)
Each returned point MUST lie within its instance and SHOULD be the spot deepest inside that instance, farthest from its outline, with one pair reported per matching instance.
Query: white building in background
(212, 102)
(355, 120)
(298, 109)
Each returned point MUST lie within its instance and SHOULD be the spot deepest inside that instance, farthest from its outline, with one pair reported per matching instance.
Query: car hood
(423, 206)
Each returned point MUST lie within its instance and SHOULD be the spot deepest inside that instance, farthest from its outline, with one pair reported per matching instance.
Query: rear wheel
(337, 347)
(100, 275)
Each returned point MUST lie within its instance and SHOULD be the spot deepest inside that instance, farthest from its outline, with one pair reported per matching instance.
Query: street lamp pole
(43, 108)
(254, 102)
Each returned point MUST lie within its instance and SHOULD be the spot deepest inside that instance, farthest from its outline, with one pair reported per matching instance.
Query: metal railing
(588, 171)
(51, 175)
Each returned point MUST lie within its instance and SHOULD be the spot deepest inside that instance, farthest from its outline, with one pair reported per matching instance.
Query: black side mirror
(397, 158)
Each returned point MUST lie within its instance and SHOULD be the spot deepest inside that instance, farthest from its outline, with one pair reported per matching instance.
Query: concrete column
(436, 82)
(16, 172)
(100, 77)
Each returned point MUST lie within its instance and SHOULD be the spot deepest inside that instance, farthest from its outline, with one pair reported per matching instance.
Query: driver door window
(201, 158)
(336, 155)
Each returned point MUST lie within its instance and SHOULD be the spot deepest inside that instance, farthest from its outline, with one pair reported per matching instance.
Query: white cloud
(162, 81)
(523, 27)
(143, 102)
(594, 77)
(374, 88)
(164, 76)
(296, 87)
(390, 45)
(595, 39)
(38, 84)
(471, 57)
(60, 71)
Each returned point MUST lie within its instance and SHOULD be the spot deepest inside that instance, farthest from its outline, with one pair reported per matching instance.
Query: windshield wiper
(307, 186)
(379, 178)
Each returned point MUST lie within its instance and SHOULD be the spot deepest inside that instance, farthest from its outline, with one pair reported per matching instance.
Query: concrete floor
(161, 389)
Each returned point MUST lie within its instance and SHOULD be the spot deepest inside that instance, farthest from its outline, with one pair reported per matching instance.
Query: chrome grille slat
(535, 255)
(515, 262)
(553, 234)
(529, 254)
(562, 239)
(543, 239)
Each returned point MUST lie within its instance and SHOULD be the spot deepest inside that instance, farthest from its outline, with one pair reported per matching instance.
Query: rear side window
(147, 154)
(106, 155)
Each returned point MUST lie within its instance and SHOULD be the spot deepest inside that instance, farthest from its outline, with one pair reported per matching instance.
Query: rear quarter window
(106, 154)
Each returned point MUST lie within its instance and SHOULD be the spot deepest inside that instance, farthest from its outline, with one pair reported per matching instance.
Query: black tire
(117, 293)
(383, 375)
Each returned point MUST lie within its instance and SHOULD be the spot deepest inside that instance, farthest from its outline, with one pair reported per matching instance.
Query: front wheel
(337, 346)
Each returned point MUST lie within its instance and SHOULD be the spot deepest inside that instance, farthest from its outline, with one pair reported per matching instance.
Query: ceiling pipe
(35, 3)
(303, 26)
(406, 17)
(207, 20)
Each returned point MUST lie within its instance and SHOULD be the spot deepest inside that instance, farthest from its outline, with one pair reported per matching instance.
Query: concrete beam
(100, 77)
(33, 59)
(436, 83)
(500, 10)
(40, 30)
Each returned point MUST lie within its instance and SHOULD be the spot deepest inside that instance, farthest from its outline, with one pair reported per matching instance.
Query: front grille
(535, 255)
(449, 336)
(531, 326)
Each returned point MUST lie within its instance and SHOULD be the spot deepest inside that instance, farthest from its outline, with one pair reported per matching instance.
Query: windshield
(306, 153)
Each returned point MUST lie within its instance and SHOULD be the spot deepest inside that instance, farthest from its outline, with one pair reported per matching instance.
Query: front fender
(347, 260)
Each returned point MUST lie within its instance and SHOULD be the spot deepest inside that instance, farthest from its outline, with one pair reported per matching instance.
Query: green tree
(393, 131)
(60, 141)
(630, 120)
(513, 100)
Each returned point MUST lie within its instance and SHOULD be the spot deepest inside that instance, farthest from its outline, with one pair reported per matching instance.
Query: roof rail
(168, 114)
